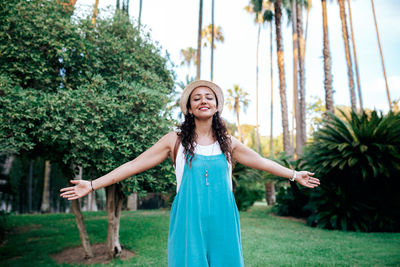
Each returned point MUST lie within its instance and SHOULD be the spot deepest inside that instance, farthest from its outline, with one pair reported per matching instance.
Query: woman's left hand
(304, 178)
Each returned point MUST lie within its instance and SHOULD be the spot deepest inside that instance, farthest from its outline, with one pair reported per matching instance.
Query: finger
(314, 180)
(68, 194)
(74, 181)
(73, 198)
(67, 188)
(310, 173)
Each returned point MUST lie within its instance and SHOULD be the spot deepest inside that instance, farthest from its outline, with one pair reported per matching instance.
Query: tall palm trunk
(302, 100)
(282, 82)
(257, 132)
(199, 40)
(95, 12)
(381, 53)
(355, 58)
(270, 186)
(348, 57)
(271, 139)
(296, 107)
(327, 62)
(140, 12)
(212, 40)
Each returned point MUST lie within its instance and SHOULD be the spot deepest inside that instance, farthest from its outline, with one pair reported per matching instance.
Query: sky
(174, 25)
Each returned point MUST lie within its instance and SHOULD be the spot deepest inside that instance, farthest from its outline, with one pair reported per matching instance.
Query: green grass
(267, 240)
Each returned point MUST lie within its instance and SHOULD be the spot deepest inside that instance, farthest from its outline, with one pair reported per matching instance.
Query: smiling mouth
(204, 109)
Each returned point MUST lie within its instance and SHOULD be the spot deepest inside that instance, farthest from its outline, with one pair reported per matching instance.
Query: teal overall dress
(204, 220)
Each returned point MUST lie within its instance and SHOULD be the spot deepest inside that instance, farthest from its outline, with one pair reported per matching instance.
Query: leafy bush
(291, 200)
(357, 160)
(249, 186)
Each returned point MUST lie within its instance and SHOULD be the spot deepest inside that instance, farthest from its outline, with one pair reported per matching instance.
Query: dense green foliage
(357, 160)
(249, 186)
(267, 240)
(83, 95)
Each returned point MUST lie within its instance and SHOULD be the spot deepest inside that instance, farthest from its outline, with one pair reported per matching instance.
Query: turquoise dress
(204, 220)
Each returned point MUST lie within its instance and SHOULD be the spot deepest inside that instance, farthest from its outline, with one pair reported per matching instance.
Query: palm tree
(140, 12)
(212, 34)
(327, 61)
(189, 55)
(348, 57)
(355, 57)
(268, 16)
(212, 40)
(237, 99)
(256, 7)
(381, 53)
(302, 93)
(95, 12)
(199, 40)
(296, 108)
(282, 82)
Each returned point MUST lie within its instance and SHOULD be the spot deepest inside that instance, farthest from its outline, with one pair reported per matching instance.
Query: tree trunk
(348, 57)
(271, 139)
(212, 40)
(381, 53)
(95, 12)
(327, 62)
(30, 178)
(132, 202)
(355, 58)
(296, 106)
(270, 193)
(140, 12)
(76, 209)
(257, 132)
(199, 40)
(115, 199)
(46, 188)
(302, 98)
(282, 83)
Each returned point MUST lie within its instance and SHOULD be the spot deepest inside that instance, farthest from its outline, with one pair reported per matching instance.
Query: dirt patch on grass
(76, 255)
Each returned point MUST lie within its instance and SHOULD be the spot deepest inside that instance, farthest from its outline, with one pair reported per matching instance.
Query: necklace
(206, 167)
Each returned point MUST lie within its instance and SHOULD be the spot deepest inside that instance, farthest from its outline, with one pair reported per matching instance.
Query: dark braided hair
(188, 136)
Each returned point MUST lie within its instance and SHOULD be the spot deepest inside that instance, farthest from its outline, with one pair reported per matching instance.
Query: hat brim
(193, 85)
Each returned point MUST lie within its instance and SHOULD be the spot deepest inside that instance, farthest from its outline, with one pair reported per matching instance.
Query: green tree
(82, 96)
(237, 99)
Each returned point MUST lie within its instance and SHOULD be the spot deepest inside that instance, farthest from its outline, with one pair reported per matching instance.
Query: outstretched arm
(148, 159)
(250, 158)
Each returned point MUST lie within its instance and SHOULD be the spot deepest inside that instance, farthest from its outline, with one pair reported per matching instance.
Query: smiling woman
(204, 222)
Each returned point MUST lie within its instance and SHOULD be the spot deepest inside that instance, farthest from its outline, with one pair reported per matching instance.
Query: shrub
(357, 160)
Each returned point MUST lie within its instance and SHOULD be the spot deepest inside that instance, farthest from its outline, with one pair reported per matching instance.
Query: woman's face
(203, 103)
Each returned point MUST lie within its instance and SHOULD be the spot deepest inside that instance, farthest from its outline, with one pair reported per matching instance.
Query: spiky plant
(358, 162)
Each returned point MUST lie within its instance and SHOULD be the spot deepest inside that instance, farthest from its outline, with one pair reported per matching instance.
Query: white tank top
(209, 150)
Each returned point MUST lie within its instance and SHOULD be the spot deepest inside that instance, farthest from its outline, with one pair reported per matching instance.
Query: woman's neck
(204, 132)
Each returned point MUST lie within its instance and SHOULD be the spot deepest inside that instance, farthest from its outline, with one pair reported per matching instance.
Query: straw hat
(193, 85)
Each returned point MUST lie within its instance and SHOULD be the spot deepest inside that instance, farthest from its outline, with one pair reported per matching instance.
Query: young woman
(204, 219)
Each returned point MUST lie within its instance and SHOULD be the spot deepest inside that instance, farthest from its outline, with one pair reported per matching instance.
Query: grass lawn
(267, 240)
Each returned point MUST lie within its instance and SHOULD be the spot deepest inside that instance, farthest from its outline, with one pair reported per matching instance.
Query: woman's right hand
(81, 189)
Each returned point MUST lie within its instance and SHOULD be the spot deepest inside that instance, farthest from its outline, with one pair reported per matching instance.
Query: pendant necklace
(205, 167)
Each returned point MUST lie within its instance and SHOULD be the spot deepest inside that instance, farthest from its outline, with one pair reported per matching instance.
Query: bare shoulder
(169, 139)
(234, 142)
